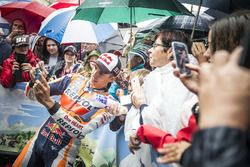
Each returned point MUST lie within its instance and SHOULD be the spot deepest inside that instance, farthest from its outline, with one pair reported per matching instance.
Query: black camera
(21, 58)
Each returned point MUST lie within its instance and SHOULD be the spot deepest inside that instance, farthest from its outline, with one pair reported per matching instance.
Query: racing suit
(81, 110)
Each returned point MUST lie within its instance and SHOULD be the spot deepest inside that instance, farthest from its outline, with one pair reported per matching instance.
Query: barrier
(20, 118)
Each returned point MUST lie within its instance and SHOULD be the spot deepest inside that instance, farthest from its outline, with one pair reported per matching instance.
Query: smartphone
(180, 53)
(135, 84)
(245, 56)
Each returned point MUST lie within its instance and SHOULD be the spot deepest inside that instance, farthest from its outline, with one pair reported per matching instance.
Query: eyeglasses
(157, 44)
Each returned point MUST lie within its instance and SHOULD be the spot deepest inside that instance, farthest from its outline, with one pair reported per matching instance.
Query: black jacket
(218, 147)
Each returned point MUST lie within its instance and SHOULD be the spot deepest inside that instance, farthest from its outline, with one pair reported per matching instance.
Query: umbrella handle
(196, 19)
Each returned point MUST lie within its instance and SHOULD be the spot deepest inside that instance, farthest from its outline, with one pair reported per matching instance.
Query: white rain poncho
(165, 96)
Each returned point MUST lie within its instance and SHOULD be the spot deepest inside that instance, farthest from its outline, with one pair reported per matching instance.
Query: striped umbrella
(4, 23)
(59, 27)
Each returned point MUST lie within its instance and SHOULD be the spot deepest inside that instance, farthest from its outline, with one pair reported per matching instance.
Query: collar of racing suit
(89, 89)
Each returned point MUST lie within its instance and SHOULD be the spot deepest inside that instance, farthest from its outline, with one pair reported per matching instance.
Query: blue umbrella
(61, 28)
(55, 24)
(4, 23)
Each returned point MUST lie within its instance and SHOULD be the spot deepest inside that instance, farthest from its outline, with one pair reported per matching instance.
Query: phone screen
(180, 53)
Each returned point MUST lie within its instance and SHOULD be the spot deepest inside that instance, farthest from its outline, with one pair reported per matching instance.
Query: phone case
(135, 84)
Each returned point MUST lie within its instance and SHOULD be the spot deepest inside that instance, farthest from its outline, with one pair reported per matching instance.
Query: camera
(21, 58)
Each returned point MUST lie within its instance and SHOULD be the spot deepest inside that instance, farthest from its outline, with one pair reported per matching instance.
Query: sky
(15, 108)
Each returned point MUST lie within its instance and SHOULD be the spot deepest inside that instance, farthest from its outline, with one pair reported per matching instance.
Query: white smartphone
(180, 53)
(135, 84)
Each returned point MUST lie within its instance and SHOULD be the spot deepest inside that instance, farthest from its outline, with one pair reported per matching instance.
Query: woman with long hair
(51, 52)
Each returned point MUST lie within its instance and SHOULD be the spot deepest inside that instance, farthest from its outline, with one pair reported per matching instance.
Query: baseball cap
(94, 53)
(20, 40)
(70, 48)
(140, 50)
(109, 63)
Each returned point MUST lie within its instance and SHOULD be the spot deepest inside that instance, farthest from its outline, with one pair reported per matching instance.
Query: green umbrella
(127, 11)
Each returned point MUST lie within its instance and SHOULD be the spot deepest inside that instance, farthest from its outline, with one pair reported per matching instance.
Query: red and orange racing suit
(58, 140)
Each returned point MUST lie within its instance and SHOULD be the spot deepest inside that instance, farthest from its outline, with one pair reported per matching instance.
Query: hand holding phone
(180, 53)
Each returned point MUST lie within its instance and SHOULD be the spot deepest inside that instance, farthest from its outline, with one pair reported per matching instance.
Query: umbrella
(3, 2)
(55, 24)
(4, 23)
(59, 4)
(181, 22)
(115, 42)
(59, 27)
(226, 6)
(32, 13)
(4, 26)
(85, 31)
(184, 22)
(127, 11)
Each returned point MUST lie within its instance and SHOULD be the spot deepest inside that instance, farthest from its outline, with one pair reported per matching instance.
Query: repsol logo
(73, 131)
(75, 97)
